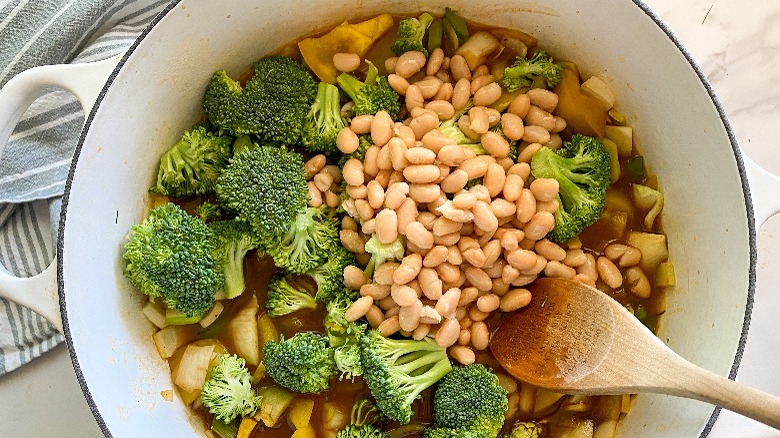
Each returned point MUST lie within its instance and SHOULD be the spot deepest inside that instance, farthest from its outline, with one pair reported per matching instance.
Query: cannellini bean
(609, 273)
(522, 259)
(387, 226)
(464, 355)
(405, 133)
(443, 226)
(420, 156)
(588, 269)
(540, 224)
(314, 194)
(332, 199)
(448, 273)
(347, 223)
(429, 86)
(448, 333)
(347, 141)
(560, 124)
(389, 326)
(375, 194)
(478, 278)
(409, 316)
(503, 208)
(430, 283)
(414, 97)
(421, 173)
(523, 170)
(536, 134)
(638, 283)
(424, 193)
(442, 108)
(464, 201)
(539, 117)
(421, 332)
(495, 144)
(544, 99)
(409, 63)
(434, 61)
(492, 252)
(403, 295)
(513, 126)
(461, 94)
(435, 140)
(376, 291)
(464, 123)
(390, 64)
(352, 241)
(419, 235)
(475, 167)
(515, 299)
(407, 213)
(448, 302)
(474, 256)
(574, 258)
(484, 217)
(494, 179)
(375, 316)
(346, 62)
(528, 152)
(550, 250)
(487, 95)
(361, 124)
(478, 120)
(409, 269)
(445, 91)
(354, 277)
(455, 181)
(364, 210)
(558, 269)
(544, 189)
(383, 274)
(488, 303)
(436, 256)
(459, 68)
(480, 81)
(480, 336)
(314, 165)
(358, 309)
(520, 105)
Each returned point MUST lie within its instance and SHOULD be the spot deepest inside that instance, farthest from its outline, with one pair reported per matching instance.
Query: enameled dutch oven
(155, 91)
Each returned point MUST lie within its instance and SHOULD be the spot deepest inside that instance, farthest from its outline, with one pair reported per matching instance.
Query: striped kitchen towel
(35, 163)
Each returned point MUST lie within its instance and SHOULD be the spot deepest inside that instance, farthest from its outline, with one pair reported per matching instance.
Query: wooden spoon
(574, 338)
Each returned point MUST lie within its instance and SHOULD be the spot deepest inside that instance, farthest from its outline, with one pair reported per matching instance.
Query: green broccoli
(285, 296)
(307, 242)
(272, 106)
(171, 255)
(344, 336)
(363, 421)
(473, 182)
(382, 252)
(371, 96)
(330, 275)
(451, 129)
(209, 211)
(266, 187)
(228, 392)
(410, 35)
(324, 121)
(524, 71)
(443, 432)
(581, 167)
(524, 429)
(470, 399)
(397, 371)
(192, 165)
(303, 363)
(233, 240)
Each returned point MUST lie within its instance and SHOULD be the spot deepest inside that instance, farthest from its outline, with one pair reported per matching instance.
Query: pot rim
(638, 3)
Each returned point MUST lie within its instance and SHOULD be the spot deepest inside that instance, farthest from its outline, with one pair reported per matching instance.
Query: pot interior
(157, 93)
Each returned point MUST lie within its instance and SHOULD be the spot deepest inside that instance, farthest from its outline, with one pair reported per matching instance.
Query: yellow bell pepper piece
(345, 38)
(246, 427)
(300, 412)
(304, 432)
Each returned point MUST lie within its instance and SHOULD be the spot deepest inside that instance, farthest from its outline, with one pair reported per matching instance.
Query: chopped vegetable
(614, 160)
(524, 71)
(303, 363)
(346, 38)
(224, 430)
(410, 35)
(623, 136)
(649, 200)
(458, 23)
(274, 401)
(233, 239)
(523, 429)
(324, 121)
(307, 242)
(212, 315)
(435, 35)
(652, 246)
(174, 317)
(664, 275)
(171, 338)
(242, 330)
(285, 296)
(634, 169)
(154, 311)
(478, 48)
(193, 367)
(371, 96)
(583, 113)
(246, 427)
(228, 392)
(600, 90)
(300, 412)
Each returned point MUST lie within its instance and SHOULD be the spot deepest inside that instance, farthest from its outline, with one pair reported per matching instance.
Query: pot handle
(764, 190)
(85, 81)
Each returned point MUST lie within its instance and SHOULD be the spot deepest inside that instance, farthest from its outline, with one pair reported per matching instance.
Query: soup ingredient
(382, 252)
(224, 430)
(478, 48)
(192, 165)
(209, 211)
(170, 255)
(525, 429)
(458, 24)
(343, 336)
(410, 35)
(274, 402)
(233, 240)
(649, 200)
(371, 96)
(303, 363)
(307, 242)
(435, 35)
(246, 427)
(524, 72)
(583, 113)
(324, 121)
(286, 296)
(300, 412)
(192, 370)
(596, 87)
(451, 129)
(242, 330)
(330, 275)
(362, 422)
(581, 167)
(652, 246)
(273, 104)
(346, 38)
(470, 399)
(266, 187)
(228, 392)
(397, 371)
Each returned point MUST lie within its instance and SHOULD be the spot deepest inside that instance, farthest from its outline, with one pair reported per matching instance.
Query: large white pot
(156, 90)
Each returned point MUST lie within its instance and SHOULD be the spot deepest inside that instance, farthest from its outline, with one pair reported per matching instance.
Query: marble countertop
(736, 43)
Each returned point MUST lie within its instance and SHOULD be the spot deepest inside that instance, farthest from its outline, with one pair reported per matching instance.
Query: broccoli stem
(350, 84)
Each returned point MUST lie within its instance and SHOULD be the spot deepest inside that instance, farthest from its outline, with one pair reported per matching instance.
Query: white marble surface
(737, 44)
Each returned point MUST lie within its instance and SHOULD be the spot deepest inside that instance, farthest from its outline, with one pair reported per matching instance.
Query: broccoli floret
(470, 399)
(397, 371)
(581, 167)
(171, 255)
(273, 105)
(209, 211)
(344, 336)
(523, 429)
(410, 35)
(266, 187)
(371, 96)
(382, 252)
(330, 275)
(451, 129)
(324, 121)
(362, 422)
(285, 296)
(443, 432)
(303, 363)
(192, 165)
(307, 242)
(522, 73)
(228, 392)
(233, 239)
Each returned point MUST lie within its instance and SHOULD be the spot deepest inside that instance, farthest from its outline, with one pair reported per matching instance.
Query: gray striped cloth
(36, 160)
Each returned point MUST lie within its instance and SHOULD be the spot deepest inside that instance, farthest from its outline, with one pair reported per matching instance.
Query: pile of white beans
(468, 253)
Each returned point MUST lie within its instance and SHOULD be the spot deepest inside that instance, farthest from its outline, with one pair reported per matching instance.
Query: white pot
(155, 92)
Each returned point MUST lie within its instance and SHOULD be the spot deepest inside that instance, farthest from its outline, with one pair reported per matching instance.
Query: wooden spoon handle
(700, 384)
